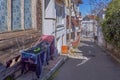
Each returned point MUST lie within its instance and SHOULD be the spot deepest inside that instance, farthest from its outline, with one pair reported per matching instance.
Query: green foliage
(111, 24)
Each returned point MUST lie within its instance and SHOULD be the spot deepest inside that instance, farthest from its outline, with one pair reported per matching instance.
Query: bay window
(3, 15)
(16, 15)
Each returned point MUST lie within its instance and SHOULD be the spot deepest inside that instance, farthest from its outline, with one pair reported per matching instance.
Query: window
(27, 14)
(59, 14)
(3, 15)
(13, 13)
(16, 14)
(46, 3)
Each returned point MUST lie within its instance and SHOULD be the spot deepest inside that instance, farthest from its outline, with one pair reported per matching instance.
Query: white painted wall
(61, 27)
(50, 25)
(88, 26)
(50, 11)
(49, 19)
(101, 41)
(100, 37)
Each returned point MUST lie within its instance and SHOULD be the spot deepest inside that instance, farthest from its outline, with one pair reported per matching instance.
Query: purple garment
(34, 62)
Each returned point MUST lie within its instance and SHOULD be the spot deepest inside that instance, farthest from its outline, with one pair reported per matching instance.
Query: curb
(108, 52)
(114, 57)
(52, 71)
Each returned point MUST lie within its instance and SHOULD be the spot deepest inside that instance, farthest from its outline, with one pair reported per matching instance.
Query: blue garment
(35, 62)
(39, 66)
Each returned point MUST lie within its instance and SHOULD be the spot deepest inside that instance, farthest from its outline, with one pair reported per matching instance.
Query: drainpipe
(55, 28)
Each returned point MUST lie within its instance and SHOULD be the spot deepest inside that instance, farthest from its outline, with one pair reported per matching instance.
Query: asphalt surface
(96, 65)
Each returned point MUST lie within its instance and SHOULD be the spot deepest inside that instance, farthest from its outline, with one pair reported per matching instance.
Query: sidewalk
(47, 70)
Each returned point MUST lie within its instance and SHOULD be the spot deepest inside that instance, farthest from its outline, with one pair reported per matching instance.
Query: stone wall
(114, 51)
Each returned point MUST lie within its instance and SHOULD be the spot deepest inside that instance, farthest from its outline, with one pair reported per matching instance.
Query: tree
(111, 26)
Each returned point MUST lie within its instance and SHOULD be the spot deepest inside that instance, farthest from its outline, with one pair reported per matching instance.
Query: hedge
(111, 24)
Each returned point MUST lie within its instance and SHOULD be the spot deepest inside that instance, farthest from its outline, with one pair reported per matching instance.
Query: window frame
(9, 17)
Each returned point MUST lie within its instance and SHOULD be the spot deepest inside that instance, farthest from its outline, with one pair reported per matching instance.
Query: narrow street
(53, 39)
(97, 65)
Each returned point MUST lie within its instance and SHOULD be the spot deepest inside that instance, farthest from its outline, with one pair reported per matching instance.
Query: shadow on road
(90, 49)
(93, 64)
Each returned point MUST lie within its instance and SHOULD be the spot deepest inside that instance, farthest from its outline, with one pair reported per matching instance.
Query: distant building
(89, 26)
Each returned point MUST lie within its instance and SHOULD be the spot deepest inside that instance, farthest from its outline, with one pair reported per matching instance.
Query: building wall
(49, 18)
(3, 15)
(49, 27)
(88, 28)
(17, 15)
(54, 22)
(101, 41)
(67, 23)
(39, 15)
(20, 27)
(60, 25)
(75, 24)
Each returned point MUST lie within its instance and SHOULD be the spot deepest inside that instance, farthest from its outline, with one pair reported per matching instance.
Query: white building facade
(89, 27)
(54, 21)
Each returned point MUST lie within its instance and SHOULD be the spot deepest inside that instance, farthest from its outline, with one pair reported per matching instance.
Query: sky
(85, 8)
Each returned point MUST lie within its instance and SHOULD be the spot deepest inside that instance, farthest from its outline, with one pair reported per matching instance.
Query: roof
(91, 16)
(88, 17)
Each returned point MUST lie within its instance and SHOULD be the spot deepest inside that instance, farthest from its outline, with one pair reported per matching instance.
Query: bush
(111, 24)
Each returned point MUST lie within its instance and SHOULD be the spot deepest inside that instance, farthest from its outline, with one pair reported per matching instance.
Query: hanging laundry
(34, 58)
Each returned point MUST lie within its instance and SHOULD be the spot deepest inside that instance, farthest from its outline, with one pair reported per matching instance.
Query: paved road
(97, 65)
